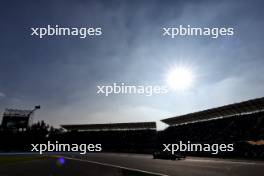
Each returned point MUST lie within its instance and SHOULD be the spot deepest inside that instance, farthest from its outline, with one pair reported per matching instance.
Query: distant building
(18, 120)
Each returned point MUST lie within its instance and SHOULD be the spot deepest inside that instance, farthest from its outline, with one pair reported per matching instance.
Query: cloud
(2, 95)
(65, 71)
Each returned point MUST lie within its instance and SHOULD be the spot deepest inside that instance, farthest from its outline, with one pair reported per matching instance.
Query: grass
(15, 159)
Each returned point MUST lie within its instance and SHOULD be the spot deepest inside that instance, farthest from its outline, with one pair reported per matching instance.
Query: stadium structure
(14, 119)
(240, 123)
(136, 137)
(242, 108)
(112, 126)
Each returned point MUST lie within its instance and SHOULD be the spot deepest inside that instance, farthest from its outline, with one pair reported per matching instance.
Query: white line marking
(226, 161)
(116, 166)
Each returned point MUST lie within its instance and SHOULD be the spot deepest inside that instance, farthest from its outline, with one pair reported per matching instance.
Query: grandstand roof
(17, 112)
(249, 106)
(111, 126)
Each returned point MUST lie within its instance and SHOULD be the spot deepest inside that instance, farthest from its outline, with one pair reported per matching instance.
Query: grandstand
(137, 137)
(241, 124)
(112, 126)
(16, 119)
(250, 106)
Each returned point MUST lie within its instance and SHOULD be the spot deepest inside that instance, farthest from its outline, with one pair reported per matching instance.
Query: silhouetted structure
(112, 126)
(241, 124)
(245, 107)
(139, 137)
(14, 119)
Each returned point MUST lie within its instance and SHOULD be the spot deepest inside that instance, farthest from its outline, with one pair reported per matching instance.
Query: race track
(114, 164)
(192, 166)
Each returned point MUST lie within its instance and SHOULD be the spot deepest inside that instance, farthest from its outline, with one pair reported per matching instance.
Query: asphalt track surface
(191, 166)
(118, 165)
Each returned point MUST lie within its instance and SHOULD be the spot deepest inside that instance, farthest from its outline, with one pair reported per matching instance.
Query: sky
(61, 73)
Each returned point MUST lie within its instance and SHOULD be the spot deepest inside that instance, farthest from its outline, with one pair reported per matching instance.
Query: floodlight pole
(36, 107)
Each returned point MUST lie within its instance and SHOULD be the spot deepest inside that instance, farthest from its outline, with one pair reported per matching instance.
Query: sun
(180, 78)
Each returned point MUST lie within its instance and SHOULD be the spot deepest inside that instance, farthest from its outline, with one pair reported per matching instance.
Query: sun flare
(180, 78)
